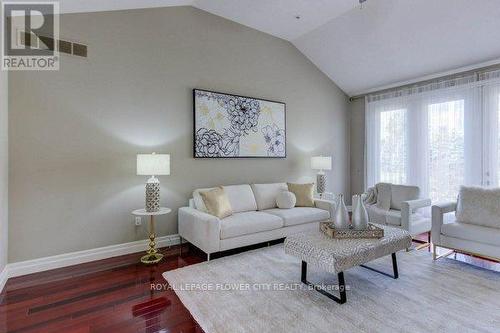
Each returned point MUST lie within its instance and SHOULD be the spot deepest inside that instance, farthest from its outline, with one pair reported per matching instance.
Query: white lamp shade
(153, 164)
(321, 162)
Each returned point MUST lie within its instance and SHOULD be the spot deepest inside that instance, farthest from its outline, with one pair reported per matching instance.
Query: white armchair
(413, 222)
(474, 228)
(398, 205)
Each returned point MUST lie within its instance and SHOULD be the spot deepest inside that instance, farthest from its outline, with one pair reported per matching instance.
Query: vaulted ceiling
(384, 43)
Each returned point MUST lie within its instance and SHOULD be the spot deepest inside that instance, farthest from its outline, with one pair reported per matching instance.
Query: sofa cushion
(265, 194)
(241, 198)
(402, 193)
(375, 214)
(479, 206)
(472, 232)
(300, 215)
(393, 217)
(245, 223)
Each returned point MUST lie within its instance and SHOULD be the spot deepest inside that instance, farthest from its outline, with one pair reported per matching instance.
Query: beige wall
(4, 173)
(357, 145)
(74, 133)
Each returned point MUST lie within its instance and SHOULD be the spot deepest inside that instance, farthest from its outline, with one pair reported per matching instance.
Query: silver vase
(341, 217)
(359, 214)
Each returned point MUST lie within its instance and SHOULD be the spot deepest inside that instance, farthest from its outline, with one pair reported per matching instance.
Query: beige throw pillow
(217, 202)
(303, 193)
(198, 200)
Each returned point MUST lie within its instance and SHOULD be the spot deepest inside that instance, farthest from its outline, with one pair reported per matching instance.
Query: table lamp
(321, 163)
(153, 165)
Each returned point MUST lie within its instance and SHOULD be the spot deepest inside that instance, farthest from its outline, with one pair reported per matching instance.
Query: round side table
(152, 256)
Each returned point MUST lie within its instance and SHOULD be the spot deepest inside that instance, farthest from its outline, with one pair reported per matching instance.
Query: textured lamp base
(320, 183)
(152, 197)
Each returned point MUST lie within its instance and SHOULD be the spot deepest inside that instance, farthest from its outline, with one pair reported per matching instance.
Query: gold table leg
(152, 256)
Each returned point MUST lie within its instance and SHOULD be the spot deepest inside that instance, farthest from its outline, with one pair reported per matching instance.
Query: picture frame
(236, 126)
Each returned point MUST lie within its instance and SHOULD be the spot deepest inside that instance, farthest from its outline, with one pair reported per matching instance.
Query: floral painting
(237, 126)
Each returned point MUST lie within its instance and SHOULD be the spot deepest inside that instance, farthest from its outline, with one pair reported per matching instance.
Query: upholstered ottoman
(337, 255)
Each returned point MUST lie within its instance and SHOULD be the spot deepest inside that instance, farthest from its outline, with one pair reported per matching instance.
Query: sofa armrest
(438, 211)
(324, 204)
(200, 229)
(407, 209)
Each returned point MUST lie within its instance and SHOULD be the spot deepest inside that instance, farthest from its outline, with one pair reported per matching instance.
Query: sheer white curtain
(492, 135)
(388, 148)
(438, 136)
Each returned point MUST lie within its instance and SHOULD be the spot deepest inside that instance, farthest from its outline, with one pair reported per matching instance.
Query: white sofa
(255, 218)
(397, 205)
(475, 227)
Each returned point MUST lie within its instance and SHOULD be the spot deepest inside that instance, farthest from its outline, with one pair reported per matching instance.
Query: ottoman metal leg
(394, 268)
(343, 296)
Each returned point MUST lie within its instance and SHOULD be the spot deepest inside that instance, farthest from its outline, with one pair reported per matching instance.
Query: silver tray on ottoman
(372, 231)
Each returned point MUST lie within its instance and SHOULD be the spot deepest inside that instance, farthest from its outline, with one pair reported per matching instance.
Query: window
(446, 162)
(393, 146)
(437, 136)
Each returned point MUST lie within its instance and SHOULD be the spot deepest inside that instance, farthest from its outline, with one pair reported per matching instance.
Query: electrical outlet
(138, 221)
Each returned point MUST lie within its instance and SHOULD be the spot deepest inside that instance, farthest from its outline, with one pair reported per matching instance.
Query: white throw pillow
(479, 206)
(286, 200)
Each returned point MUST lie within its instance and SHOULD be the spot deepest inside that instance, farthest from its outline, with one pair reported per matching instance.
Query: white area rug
(441, 296)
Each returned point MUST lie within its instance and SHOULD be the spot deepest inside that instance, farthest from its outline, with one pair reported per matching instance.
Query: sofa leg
(444, 255)
(407, 249)
(421, 246)
(208, 256)
(429, 240)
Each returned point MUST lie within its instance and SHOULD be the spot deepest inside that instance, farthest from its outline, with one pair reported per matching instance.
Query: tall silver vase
(359, 214)
(341, 217)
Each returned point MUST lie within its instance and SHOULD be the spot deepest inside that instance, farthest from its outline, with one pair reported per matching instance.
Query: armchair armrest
(200, 229)
(324, 204)
(438, 211)
(418, 203)
(407, 208)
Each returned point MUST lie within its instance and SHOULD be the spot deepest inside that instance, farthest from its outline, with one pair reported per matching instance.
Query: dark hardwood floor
(111, 295)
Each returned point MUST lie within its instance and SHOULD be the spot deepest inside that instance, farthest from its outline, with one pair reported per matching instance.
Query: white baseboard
(3, 278)
(80, 257)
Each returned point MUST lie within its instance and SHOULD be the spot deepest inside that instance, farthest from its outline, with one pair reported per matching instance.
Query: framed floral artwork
(232, 126)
